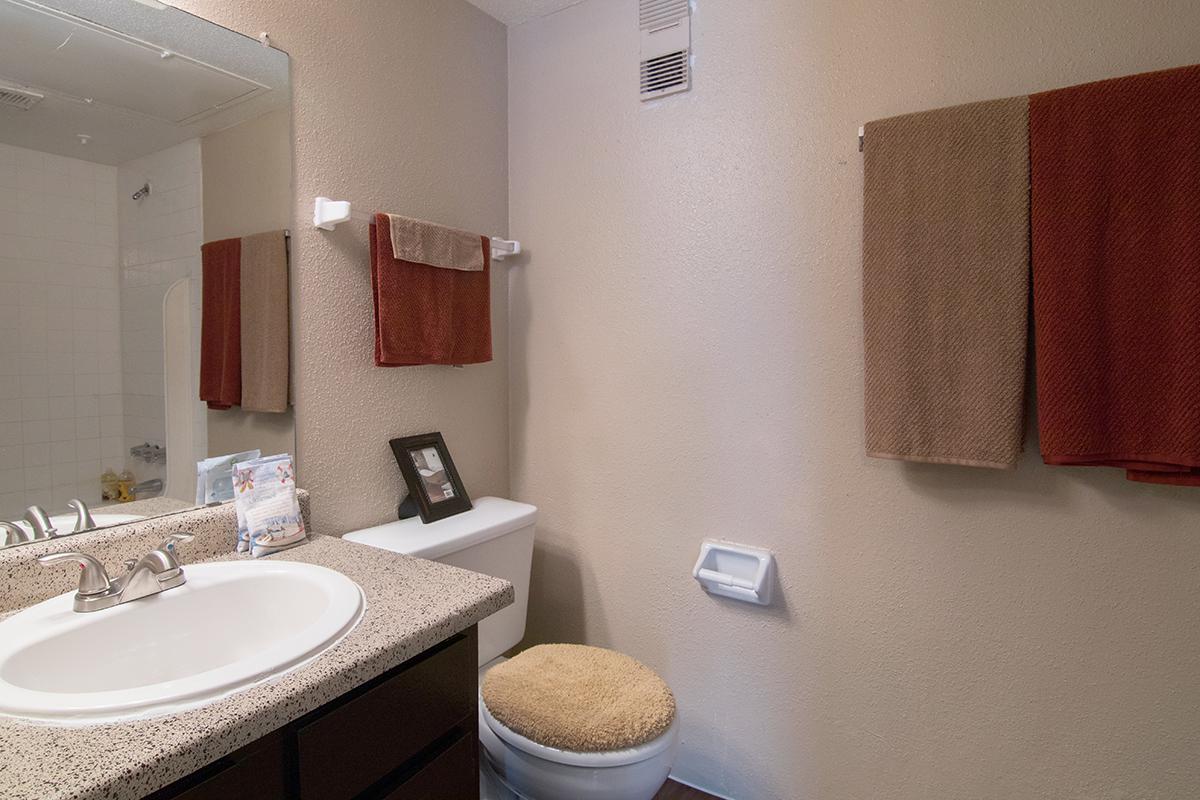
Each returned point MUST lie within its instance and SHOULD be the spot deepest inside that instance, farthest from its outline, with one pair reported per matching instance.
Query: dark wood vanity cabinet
(410, 734)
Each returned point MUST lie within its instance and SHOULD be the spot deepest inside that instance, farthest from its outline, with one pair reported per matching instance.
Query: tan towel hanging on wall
(265, 334)
(946, 283)
(420, 242)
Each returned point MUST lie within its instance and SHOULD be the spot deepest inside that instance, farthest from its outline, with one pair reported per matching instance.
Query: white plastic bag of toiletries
(214, 477)
(268, 512)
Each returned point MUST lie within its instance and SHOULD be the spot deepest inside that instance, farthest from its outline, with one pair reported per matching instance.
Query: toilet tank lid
(490, 517)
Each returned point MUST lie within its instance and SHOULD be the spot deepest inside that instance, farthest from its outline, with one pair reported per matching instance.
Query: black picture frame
(419, 458)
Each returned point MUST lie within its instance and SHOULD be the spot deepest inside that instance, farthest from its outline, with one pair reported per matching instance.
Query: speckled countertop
(412, 604)
(150, 507)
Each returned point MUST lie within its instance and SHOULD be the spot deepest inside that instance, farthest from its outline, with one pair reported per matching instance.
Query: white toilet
(496, 538)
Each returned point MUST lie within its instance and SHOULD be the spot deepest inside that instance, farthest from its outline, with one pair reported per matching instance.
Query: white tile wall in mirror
(96, 100)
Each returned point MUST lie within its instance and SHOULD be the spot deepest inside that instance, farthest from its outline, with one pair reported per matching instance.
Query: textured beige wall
(687, 363)
(247, 174)
(398, 105)
(236, 430)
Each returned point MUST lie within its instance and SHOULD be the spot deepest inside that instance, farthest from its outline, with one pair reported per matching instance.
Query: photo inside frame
(437, 483)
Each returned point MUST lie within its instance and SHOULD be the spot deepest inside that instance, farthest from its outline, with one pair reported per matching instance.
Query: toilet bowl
(496, 538)
(516, 768)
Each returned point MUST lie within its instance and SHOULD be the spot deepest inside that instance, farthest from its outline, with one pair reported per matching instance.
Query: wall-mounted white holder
(328, 214)
(503, 248)
(735, 570)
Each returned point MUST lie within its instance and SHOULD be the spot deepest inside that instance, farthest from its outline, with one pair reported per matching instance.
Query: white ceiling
(514, 12)
(134, 79)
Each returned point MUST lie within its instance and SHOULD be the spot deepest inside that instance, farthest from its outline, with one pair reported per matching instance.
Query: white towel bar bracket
(503, 248)
(328, 214)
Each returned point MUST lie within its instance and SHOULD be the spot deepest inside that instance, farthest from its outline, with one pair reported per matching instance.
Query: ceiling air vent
(666, 29)
(14, 97)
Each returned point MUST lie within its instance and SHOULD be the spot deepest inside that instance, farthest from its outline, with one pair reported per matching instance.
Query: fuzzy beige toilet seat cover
(579, 698)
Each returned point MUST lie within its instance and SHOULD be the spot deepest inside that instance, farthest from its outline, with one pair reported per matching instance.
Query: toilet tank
(495, 538)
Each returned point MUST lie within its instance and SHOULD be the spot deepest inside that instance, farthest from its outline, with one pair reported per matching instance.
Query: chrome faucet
(155, 572)
(13, 534)
(83, 515)
(146, 487)
(43, 528)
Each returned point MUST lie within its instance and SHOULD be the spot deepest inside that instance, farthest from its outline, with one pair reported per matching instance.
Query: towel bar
(328, 214)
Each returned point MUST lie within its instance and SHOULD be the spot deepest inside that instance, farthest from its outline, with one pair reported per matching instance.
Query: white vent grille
(13, 97)
(654, 14)
(665, 74)
(666, 31)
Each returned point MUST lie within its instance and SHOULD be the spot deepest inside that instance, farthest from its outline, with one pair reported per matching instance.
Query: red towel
(1115, 169)
(221, 324)
(428, 315)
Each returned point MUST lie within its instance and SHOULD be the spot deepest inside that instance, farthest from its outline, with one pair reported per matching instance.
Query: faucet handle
(13, 534)
(37, 517)
(92, 580)
(175, 538)
(83, 516)
(168, 546)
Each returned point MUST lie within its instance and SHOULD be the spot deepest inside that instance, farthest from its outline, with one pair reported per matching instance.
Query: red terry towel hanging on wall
(428, 314)
(1115, 170)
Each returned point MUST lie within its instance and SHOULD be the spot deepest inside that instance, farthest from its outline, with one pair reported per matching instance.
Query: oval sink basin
(232, 625)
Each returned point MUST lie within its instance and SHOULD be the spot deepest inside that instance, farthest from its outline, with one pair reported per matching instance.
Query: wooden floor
(677, 791)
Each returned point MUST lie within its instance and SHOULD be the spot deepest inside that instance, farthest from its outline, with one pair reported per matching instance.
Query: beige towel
(436, 245)
(264, 316)
(946, 283)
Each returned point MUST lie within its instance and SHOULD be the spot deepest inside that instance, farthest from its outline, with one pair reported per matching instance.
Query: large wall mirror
(145, 197)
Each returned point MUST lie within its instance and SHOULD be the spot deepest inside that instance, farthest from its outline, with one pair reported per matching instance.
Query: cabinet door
(257, 770)
(346, 749)
(453, 774)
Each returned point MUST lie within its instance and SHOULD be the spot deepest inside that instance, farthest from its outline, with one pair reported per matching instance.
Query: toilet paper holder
(736, 571)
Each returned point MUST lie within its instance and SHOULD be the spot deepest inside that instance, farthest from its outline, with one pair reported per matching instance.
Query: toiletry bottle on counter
(108, 485)
(124, 487)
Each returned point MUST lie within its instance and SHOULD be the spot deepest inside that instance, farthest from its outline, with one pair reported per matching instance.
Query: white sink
(232, 625)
